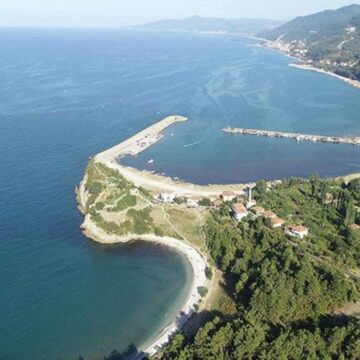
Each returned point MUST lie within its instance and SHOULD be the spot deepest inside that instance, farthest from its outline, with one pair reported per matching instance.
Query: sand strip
(197, 261)
(351, 82)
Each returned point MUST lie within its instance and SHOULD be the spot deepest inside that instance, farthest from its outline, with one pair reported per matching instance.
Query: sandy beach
(131, 147)
(273, 45)
(197, 261)
(351, 82)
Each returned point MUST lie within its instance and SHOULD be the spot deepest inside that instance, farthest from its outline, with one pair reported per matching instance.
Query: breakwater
(154, 182)
(349, 140)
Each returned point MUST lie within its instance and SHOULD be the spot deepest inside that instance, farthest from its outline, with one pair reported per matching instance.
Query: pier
(154, 182)
(349, 140)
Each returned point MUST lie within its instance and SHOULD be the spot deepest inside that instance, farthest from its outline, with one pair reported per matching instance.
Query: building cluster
(335, 63)
(193, 201)
(241, 211)
(296, 48)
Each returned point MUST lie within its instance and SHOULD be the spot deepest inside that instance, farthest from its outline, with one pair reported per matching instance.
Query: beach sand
(196, 259)
(149, 181)
(133, 146)
(351, 82)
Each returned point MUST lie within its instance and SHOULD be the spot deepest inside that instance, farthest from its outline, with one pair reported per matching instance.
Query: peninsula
(222, 231)
(140, 142)
(328, 42)
(121, 204)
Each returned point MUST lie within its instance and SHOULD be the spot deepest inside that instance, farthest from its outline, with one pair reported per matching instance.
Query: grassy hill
(329, 39)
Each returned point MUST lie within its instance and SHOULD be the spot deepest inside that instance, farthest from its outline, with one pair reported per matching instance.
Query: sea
(67, 94)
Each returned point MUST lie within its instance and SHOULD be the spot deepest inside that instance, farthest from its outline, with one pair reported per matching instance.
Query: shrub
(208, 272)
(202, 290)
(99, 205)
(205, 202)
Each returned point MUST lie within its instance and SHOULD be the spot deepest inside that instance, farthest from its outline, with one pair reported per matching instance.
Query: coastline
(197, 262)
(273, 45)
(154, 182)
(354, 83)
(131, 147)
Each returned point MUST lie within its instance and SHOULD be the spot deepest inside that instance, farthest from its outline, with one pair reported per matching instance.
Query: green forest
(285, 290)
(330, 39)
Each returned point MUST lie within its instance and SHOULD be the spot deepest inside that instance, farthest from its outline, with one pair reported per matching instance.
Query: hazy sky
(115, 13)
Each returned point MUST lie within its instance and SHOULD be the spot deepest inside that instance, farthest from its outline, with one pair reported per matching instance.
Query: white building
(239, 211)
(193, 201)
(228, 196)
(167, 197)
(277, 222)
(297, 231)
(269, 214)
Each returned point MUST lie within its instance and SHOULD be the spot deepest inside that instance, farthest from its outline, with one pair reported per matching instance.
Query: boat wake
(192, 144)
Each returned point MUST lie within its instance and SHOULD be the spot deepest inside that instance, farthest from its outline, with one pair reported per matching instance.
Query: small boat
(150, 161)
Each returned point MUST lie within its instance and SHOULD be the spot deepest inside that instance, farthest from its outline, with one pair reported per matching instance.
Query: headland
(121, 204)
(302, 63)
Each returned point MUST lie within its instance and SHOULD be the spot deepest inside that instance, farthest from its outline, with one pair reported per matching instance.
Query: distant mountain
(202, 24)
(329, 40)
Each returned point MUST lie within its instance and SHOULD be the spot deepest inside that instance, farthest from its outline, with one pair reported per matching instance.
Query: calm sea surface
(64, 96)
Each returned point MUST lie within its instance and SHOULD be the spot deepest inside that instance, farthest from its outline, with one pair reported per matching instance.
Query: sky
(118, 13)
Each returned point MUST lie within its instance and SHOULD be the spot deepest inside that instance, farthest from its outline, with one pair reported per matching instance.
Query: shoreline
(195, 258)
(131, 147)
(303, 65)
(353, 83)
(155, 182)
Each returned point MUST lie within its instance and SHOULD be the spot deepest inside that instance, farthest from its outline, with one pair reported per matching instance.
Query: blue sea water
(68, 94)
(60, 294)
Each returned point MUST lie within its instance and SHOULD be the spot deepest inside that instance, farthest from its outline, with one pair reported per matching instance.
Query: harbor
(348, 140)
(155, 182)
